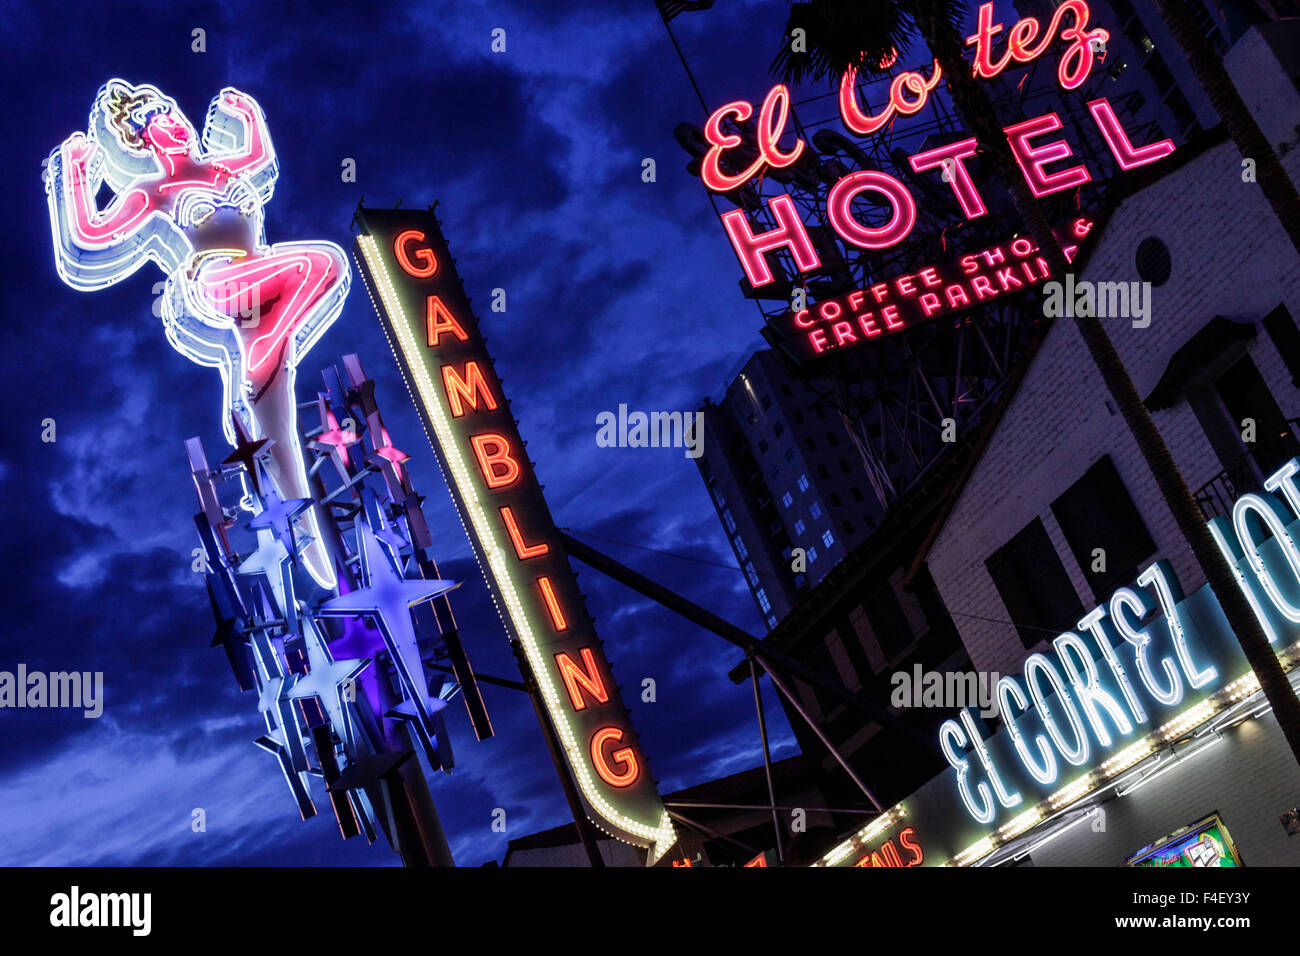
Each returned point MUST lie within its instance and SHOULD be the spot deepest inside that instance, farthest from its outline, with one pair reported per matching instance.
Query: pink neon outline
(972, 204)
(1032, 159)
(841, 216)
(750, 248)
(1126, 154)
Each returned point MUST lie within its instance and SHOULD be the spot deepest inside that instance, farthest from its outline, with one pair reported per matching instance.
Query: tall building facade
(786, 480)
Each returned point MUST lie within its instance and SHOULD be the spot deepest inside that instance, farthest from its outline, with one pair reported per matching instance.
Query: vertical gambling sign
(422, 306)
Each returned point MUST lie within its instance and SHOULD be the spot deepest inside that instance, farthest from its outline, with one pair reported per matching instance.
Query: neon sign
(1039, 156)
(1203, 844)
(426, 316)
(193, 206)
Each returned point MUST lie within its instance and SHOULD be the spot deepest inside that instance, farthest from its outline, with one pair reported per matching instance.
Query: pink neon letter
(841, 216)
(1125, 153)
(1032, 159)
(950, 157)
(789, 232)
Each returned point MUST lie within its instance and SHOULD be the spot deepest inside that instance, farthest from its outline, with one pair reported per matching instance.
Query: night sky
(619, 291)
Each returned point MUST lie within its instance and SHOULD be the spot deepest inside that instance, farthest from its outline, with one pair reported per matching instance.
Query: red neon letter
(1032, 159)
(950, 158)
(789, 232)
(1125, 153)
(466, 390)
(624, 756)
(524, 551)
(493, 453)
(771, 124)
(576, 679)
(841, 217)
(552, 604)
(437, 320)
(918, 853)
(911, 82)
(428, 266)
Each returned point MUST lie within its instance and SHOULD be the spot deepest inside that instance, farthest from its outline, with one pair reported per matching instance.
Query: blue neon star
(278, 514)
(389, 597)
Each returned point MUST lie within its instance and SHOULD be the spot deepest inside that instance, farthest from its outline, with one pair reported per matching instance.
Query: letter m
(462, 391)
(577, 679)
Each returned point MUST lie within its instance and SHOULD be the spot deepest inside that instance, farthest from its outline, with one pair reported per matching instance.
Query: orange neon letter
(524, 551)
(494, 459)
(552, 605)
(438, 319)
(624, 756)
(461, 391)
(428, 263)
(576, 678)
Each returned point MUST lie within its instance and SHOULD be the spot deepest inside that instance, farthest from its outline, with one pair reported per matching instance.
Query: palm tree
(1277, 187)
(859, 34)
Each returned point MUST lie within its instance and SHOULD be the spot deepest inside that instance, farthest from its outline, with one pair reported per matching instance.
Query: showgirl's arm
(257, 151)
(90, 226)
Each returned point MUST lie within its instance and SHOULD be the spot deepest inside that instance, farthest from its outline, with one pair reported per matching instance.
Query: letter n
(578, 678)
(466, 391)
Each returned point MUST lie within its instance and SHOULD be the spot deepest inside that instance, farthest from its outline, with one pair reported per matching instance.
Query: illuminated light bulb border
(660, 837)
(1234, 692)
(866, 835)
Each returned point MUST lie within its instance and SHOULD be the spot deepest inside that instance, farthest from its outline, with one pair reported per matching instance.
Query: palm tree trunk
(976, 108)
(1278, 188)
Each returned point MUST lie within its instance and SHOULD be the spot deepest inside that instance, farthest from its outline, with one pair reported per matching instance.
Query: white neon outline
(1008, 691)
(1160, 577)
(1078, 754)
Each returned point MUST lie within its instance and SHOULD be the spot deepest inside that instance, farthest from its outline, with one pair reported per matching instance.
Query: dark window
(821, 413)
(888, 621)
(831, 439)
(848, 527)
(844, 466)
(1164, 80)
(856, 492)
(766, 402)
(798, 418)
(1097, 512)
(1282, 330)
(762, 447)
(835, 500)
(821, 470)
(812, 445)
(778, 430)
(1245, 394)
(1034, 586)
(1152, 261)
(785, 390)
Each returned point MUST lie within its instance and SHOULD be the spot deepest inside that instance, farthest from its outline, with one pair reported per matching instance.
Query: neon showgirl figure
(194, 207)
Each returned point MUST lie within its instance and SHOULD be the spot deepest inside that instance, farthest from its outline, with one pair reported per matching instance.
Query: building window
(815, 510)
(1033, 585)
(800, 579)
(740, 547)
(750, 573)
(787, 499)
(798, 418)
(888, 622)
(789, 456)
(832, 440)
(844, 466)
(762, 447)
(778, 429)
(847, 526)
(799, 526)
(1281, 328)
(856, 492)
(812, 555)
(822, 472)
(812, 445)
(728, 520)
(821, 413)
(827, 538)
(843, 664)
(776, 470)
(771, 620)
(766, 402)
(1097, 512)
(803, 482)
(785, 390)
(763, 602)
(836, 501)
